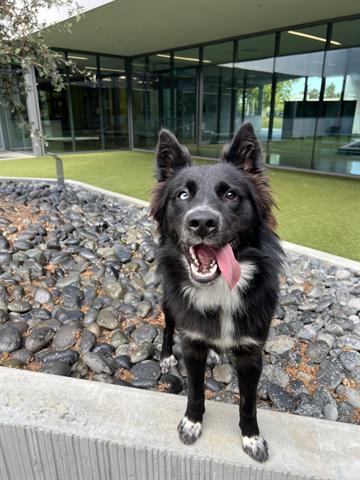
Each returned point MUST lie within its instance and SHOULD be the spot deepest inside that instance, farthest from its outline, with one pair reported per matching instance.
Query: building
(201, 69)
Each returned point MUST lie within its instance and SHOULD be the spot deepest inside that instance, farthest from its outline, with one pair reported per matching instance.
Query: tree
(22, 44)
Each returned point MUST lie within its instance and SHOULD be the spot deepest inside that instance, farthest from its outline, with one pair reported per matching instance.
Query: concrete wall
(56, 428)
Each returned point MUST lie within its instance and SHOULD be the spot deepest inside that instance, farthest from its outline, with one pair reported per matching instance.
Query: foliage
(22, 44)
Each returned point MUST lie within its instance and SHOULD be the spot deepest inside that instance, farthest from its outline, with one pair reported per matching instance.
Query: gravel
(79, 296)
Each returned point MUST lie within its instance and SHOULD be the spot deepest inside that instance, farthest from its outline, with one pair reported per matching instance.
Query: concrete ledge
(66, 429)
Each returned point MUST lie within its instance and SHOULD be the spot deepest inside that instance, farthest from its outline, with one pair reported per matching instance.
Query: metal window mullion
(321, 96)
(69, 100)
(129, 105)
(233, 90)
(273, 96)
(101, 105)
(199, 99)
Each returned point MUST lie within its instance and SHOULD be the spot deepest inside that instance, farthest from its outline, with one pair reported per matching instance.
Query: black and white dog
(220, 263)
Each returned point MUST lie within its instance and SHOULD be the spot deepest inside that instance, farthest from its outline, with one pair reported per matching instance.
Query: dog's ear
(170, 156)
(244, 151)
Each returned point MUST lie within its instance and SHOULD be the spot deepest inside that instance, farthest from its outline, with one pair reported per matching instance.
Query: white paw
(167, 362)
(256, 447)
(189, 431)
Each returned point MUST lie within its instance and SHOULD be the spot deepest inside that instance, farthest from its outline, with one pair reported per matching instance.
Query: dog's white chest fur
(219, 296)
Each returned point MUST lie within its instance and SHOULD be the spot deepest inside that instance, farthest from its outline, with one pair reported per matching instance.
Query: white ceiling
(130, 27)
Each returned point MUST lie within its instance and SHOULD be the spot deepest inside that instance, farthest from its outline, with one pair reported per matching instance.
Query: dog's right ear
(170, 156)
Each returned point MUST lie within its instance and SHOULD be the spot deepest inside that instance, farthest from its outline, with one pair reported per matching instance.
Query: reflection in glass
(337, 146)
(297, 96)
(113, 93)
(217, 98)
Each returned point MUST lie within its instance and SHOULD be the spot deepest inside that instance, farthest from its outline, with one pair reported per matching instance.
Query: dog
(220, 263)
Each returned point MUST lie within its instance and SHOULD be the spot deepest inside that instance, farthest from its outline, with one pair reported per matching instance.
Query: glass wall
(337, 147)
(300, 88)
(298, 84)
(217, 124)
(112, 82)
(91, 114)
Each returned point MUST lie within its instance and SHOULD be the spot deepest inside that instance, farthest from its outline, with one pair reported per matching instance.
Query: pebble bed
(79, 296)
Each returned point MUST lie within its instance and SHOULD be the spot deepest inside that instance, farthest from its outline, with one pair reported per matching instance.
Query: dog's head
(210, 212)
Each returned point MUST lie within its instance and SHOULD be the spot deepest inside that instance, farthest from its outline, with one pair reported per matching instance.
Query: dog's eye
(230, 195)
(183, 195)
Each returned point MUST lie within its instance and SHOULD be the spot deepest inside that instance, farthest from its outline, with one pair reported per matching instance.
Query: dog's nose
(203, 223)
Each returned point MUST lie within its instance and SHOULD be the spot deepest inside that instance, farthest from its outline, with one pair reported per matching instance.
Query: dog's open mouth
(207, 263)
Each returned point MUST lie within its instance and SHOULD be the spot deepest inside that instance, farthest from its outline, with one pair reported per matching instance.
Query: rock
(331, 373)
(173, 383)
(65, 337)
(42, 296)
(331, 412)
(123, 349)
(275, 374)
(322, 397)
(334, 329)
(67, 356)
(326, 338)
(95, 329)
(144, 308)
(352, 395)
(307, 306)
(122, 361)
(114, 290)
(144, 333)
(342, 274)
(349, 341)
(212, 385)
(96, 363)
(139, 353)
(281, 398)
(19, 306)
(10, 339)
(22, 355)
(223, 373)
(71, 297)
(354, 303)
(56, 368)
(146, 374)
(307, 333)
(4, 316)
(118, 338)
(72, 278)
(350, 360)
(107, 319)
(308, 410)
(279, 345)
(317, 352)
(39, 338)
(87, 341)
(104, 349)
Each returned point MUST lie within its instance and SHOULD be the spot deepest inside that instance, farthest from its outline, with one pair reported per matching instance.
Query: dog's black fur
(201, 311)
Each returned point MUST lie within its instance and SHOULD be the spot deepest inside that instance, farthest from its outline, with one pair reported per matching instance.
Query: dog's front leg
(167, 358)
(194, 355)
(249, 365)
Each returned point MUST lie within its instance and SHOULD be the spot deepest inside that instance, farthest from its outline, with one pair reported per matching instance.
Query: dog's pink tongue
(227, 264)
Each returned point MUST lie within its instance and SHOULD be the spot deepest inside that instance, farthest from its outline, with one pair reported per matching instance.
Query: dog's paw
(256, 447)
(212, 358)
(189, 431)
(167, 362)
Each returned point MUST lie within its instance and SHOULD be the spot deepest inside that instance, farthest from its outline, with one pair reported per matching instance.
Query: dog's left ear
(170, 156)
(244, 151)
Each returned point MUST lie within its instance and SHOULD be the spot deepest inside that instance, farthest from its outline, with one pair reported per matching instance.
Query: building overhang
(133, 27)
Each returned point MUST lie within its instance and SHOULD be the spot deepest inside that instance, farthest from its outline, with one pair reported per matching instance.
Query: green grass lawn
(317, 211)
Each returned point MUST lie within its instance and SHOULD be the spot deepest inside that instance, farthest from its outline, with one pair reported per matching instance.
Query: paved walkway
(9, 155)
